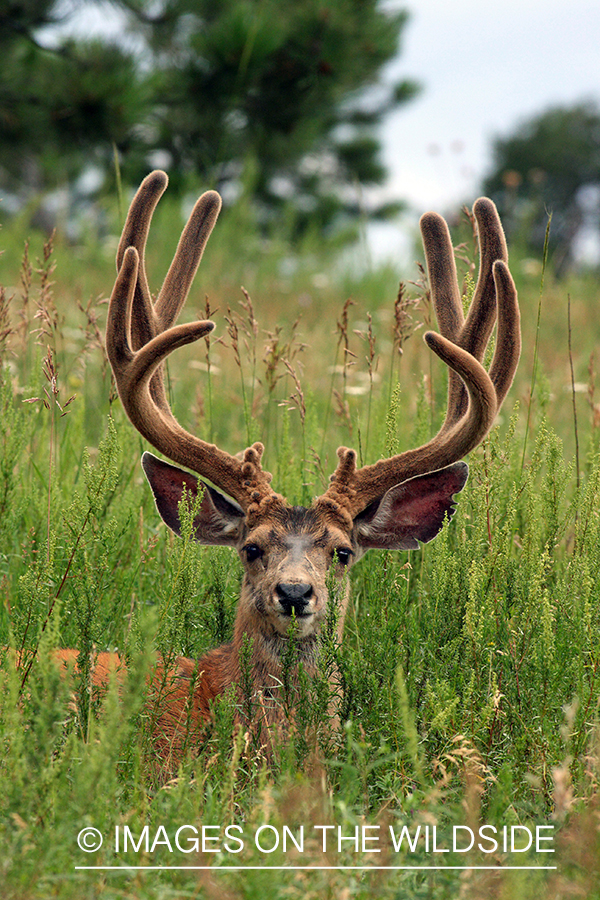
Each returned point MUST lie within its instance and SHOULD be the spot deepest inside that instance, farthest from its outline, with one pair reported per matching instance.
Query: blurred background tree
(277, 98)
(64, 103)
(551, 164)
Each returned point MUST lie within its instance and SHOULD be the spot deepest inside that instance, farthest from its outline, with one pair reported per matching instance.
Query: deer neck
(259, 648)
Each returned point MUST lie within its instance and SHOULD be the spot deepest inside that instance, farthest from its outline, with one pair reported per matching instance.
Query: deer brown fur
(290, 554)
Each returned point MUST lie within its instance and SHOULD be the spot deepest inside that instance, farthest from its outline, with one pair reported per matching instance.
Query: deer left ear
(411, 511)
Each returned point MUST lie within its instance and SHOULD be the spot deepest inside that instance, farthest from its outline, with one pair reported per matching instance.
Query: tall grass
(469, 668)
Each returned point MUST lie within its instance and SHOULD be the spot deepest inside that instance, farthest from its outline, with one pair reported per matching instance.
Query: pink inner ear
(412, 511)
(171, 486)
(218, 520)
(168, 483)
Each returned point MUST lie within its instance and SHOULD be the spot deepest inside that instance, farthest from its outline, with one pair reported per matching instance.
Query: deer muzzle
(294, 598)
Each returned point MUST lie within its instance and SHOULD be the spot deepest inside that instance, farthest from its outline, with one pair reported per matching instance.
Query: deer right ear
(219, 520)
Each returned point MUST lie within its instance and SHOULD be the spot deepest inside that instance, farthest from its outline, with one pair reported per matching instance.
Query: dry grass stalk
(297, 398)
(404, 324)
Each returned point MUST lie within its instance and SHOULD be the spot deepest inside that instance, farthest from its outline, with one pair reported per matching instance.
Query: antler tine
(139, 337)
(508, 338)
(443, 280)
(474, 396)
(190, 249)
(492, 247)
(135, 234)
(472, 334)
(445, 295)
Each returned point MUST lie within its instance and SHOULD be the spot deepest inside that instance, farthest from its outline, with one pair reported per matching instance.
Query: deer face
(291, 563)
(293, 555)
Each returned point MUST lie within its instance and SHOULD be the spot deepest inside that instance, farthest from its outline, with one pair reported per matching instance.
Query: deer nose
(294, 597)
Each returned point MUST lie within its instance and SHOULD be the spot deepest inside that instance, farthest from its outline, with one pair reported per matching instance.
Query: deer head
(288, 551)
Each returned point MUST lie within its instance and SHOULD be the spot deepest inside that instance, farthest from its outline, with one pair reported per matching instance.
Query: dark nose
(294, 597)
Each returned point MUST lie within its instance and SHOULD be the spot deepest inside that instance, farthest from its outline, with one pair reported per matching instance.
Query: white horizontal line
(316, 868)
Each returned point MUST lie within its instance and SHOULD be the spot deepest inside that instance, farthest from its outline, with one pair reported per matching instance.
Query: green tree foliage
(62, 104)
(280, 98)
(550, 164)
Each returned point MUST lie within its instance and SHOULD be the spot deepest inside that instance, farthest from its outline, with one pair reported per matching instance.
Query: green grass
(470, 668)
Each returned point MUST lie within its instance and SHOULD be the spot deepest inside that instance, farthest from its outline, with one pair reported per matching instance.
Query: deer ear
(218, 521)
(411, 511)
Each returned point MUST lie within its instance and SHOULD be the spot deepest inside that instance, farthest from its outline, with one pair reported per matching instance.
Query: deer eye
(343, 555)
(252, 552)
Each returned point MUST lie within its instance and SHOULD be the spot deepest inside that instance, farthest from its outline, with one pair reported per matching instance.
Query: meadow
(470, 668)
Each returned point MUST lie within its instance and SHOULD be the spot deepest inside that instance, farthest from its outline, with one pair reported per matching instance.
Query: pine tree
(279, 98)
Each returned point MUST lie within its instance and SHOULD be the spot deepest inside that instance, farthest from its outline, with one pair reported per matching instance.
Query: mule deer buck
(288, 552)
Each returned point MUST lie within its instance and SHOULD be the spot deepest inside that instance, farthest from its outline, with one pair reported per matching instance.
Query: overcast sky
(484, 67)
